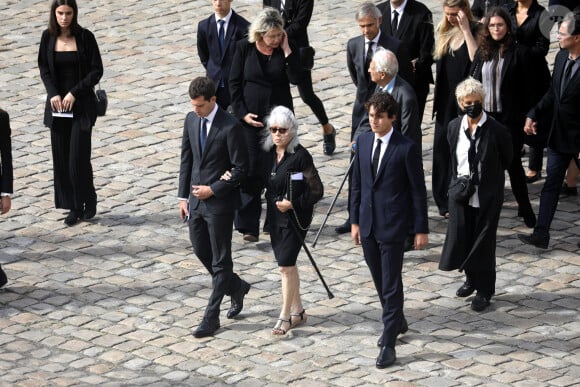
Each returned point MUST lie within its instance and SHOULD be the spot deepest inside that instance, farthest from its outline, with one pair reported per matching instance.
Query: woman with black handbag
(70, 66)
(481, 149)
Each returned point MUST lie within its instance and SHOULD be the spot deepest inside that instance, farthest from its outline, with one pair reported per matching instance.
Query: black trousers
(441, 174)
(211, 238)
(307, 94)
(482, 280)
(73, 172)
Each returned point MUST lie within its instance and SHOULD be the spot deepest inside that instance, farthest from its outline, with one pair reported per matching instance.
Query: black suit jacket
(297, 14)
(225, 150)
(6, 176)
(257, 89)
(355, 60)
(90, 72)
(564, 133)
(383, 205)
(218, 65)
(416, 31)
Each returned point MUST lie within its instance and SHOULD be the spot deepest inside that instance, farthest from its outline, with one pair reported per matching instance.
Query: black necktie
(203, 133)
(395, 23)
(471, 153)
(369, 58)
(376, 157)
(221, 34)
(567, 74)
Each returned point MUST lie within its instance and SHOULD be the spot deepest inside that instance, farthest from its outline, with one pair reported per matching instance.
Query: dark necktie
(203, 133)
(395, 23)
(376, 157)
(369, 58)
(221, 34)
(471, 155)
(567, 74)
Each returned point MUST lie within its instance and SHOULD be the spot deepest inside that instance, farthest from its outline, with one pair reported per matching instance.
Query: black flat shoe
(329, 142)
(343, 228)
(72, 218)
(206, 328)
(465, 290)
(90, 210)
(534, 240)
(479, 302)
(238, 300)
(386, 357)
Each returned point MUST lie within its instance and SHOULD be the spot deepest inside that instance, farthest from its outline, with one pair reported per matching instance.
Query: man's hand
(355, 234)
(183, 209)
(421, 240)
(5, 204)
(202, 192)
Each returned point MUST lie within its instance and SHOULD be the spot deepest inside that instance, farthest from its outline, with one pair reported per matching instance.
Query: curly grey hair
(470, 86)
(281, 117)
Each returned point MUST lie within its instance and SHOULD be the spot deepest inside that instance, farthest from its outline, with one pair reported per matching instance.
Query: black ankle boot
(72, 218)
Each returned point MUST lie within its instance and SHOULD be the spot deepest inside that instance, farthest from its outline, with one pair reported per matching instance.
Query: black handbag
(307, 57)
(101, 101)
(461, 189)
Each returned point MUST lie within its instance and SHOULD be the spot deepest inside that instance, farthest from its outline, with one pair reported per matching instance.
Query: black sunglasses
(279, 130)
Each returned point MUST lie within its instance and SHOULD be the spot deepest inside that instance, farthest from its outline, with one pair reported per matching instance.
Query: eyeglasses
(278, 130)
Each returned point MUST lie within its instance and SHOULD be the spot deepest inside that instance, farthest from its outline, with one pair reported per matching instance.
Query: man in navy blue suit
(388, 189)
(216, 43)
(5, 173)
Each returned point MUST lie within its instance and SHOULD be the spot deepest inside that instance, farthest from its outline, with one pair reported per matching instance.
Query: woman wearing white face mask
(480, 148)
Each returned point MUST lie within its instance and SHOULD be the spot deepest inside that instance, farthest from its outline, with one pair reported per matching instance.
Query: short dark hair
(573, 19)
(202, 86)
(383, 103)
(53, 27)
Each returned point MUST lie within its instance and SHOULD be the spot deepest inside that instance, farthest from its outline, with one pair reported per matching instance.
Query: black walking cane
(330, 295)
(333, 202)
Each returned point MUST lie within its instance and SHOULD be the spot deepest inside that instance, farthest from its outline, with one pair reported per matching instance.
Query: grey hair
(268, 18)
(368, 9)
(282, 117)
(386, 62)
(470, 86)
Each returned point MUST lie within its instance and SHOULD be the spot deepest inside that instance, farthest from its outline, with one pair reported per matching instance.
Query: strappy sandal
(278, 330)
(299, 317)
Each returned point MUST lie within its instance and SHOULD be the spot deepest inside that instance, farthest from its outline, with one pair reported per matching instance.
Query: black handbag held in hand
(101, 101)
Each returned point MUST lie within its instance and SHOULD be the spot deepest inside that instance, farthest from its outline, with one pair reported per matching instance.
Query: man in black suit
(412, 22)
(563, 98)
(388, 190)
(5, 173)
(216, 43)
(359, 53)
(213, 143)
(297, 14)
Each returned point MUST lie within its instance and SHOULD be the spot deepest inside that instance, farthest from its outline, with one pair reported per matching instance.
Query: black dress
(295, 178)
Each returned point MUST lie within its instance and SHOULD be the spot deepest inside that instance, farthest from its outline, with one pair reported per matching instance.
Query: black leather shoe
(343, 228)
(534, 240)
(479, 302)
(72, 218)
(3, 278)
(386, 358)
(206, 328)
(404, 328)
(329, 142)
(90, 210)
(532, 179)
(465, 290)
(238, 300)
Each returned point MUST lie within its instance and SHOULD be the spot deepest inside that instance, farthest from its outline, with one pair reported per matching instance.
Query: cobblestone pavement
(114, 301)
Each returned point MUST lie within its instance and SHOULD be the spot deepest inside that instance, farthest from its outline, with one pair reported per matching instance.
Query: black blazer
(416, 31)
(218, 66)
(564, 135)
(225, 150)
(296, 16)
(6, 174)
(256, 89)
(90, 72)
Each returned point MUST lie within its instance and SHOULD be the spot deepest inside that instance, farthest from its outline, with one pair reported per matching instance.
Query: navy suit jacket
(5, 154)
(564, 133)
(225, 150)
(382, 206)
(218, 65)
(355, 60)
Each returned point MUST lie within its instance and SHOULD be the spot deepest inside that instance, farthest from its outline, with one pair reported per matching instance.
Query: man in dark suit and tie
(5, 173)
(563, 98)
(216, 43)
(213, 143)
(412, 22)
(359, 53)
(297, 14)
(388, 189)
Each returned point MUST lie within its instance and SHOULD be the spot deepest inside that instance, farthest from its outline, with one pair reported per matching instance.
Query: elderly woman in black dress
(292, 188)
(70, 66)
(481, 146)
(262, 69)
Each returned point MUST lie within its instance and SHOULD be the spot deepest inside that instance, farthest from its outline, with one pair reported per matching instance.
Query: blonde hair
(469, 86)
(446, 32)
(268, 18)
